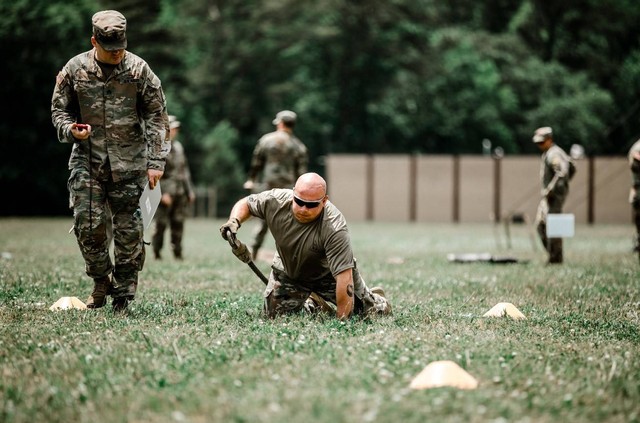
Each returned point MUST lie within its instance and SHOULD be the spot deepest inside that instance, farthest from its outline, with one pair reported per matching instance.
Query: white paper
(560, 225)
(149, 201)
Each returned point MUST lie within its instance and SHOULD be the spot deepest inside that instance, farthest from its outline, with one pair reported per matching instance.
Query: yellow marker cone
(441, 374)
(66, 303)
(505, 309)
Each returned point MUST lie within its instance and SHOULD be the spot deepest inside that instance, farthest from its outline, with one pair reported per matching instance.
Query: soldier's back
(280, 152)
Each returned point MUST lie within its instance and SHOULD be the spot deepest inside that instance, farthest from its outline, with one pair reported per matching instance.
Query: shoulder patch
(60, 78)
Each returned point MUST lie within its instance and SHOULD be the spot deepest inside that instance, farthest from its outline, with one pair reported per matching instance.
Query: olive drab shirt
(306, 252)
(280, 157)
(126, 110)
(556, 170)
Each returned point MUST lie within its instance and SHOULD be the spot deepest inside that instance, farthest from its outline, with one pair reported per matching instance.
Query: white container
(560, 225)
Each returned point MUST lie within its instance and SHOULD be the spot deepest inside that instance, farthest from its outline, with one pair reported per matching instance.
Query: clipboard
(149, 201)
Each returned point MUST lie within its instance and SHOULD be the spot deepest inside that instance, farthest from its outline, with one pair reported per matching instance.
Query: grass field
(195, 348)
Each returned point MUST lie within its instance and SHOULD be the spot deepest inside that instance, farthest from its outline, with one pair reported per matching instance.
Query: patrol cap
(542, 134)
(286, 116)
(110, 29)
(173, 122)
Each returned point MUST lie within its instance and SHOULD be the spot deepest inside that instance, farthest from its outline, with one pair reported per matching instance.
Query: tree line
(367, 76)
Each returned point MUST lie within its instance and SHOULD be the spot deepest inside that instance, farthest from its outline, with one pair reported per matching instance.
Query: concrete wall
(391, 188)
(349, 190)
(612, 182)
(434, 188)
(578, 199)
(476, 189)
(520, 183)
(446, 189)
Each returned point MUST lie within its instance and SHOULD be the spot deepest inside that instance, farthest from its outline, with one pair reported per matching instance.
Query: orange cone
(66, 303)
(505, 309)
(441, 374)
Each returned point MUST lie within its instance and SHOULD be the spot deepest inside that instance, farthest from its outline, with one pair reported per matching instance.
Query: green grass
(195, 348)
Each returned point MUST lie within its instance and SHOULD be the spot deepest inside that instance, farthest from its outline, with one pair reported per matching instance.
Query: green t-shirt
(306, 252)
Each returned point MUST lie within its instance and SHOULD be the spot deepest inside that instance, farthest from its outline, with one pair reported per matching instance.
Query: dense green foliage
(195, 348)
(396, 76)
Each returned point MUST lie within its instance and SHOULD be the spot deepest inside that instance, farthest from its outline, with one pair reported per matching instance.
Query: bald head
(309, 197)
(311, 186)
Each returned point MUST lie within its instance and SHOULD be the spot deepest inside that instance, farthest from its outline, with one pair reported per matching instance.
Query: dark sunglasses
(307, 204)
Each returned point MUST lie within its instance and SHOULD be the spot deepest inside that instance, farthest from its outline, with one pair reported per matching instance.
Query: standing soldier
(556, 170)
(634, 195)
(109, 104)
(278, 160)
(177, 194)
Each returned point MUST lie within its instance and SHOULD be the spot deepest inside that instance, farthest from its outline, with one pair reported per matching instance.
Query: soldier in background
(556, 170)
(634, 195)
(109, 104)
(278, 160)
(177, 194)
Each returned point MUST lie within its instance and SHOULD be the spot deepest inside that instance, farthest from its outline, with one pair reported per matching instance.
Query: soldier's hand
(231, 226)
(248, 185)
(242, 252)
(80, 131)
(154, 176)
(166, 199)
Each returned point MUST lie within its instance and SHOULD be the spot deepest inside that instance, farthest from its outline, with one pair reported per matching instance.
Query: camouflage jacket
(280, 157)
(555, 172)
(634, 165)
(127, 113)
(176, 180)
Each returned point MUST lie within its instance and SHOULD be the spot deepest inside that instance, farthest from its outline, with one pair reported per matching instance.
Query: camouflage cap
(286, 116)
(110, 30)
(542, 134)
(173, 122)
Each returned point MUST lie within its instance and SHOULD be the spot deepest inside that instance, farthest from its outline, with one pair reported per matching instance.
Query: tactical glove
(242, 252)
(232, 226)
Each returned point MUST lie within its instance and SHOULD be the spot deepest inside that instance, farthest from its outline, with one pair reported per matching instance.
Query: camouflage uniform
(634, 193)
(555, 173)
(308, 257)
(127, 114)
(280, 157)
(176, 182)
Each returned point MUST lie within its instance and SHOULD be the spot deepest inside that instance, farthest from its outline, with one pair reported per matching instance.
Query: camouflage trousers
(171, 217)
(553, 246)
(635, 211)
(285, 296)
(92, 199)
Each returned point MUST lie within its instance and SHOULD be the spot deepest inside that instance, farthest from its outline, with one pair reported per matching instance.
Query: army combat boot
(386, 308)
(120, 304)
(101, 288)
(316, 304)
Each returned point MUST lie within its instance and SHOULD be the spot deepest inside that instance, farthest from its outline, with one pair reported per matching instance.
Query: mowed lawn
(194, 346)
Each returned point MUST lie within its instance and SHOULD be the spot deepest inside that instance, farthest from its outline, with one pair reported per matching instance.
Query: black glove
(232, 226)
(242, 252)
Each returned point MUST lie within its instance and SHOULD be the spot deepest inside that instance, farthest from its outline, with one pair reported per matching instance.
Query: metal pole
(591, 191)
(456, 189)
(497, 183)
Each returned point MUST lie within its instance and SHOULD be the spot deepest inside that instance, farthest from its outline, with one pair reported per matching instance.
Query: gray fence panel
(470, 188)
